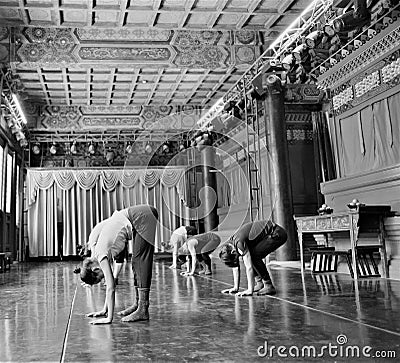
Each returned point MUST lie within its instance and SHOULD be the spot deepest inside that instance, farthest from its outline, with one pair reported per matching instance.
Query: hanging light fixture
(53, 149)
(91, 149)
(129, 148)
(110, 155)
(165, 148)
(182, 146)
(148, 148)
(36, 148)
(73, 148)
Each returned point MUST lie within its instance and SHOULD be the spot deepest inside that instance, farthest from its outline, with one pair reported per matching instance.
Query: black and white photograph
(199, 181)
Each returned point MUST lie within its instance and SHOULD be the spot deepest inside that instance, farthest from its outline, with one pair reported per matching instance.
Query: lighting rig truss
(269, 58)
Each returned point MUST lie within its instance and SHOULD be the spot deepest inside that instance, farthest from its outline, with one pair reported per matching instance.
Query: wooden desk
(367, 219)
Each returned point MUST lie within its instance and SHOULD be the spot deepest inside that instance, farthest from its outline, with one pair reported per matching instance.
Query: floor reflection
(189, 317)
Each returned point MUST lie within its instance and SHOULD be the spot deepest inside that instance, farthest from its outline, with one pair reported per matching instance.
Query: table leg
(382, 250)
(300, 234)
(353, 243)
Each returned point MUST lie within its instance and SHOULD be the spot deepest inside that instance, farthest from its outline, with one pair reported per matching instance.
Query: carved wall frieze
(4, 33)
(378, 78)
(299, 134)
(298, 117)
(360, 61)
(303, 93)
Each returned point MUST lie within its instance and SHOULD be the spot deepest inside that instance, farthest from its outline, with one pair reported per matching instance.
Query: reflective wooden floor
(43, 310)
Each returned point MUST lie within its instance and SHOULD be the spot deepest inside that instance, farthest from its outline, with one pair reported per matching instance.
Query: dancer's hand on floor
(96, 314)
(101, 321)
(230, 291)
(245, 293)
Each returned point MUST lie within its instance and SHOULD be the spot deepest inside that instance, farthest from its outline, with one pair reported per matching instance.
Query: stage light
(313, 38)
(201, 145)
(353, 18)
(53, 149)
(19, 136)
(288, 62)
(15, 129)
(207, 137)
(299, 51)
(228, 106)
(329, 30)
(23, 142)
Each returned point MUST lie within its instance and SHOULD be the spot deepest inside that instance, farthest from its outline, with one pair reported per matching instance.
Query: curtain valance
(109, 179)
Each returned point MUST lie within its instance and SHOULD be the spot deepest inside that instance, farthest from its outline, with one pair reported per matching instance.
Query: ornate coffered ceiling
(139, 64)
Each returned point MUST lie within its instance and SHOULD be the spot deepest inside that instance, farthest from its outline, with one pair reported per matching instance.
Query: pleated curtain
(64, 205)
(369, 139)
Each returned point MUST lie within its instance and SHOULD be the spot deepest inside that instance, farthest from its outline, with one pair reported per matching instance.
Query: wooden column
(209, 194)
(279, 167)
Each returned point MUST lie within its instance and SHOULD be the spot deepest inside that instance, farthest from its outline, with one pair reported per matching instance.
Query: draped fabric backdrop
(64, 205)
(369, 139)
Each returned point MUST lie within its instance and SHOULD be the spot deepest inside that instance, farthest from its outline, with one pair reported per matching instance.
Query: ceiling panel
(137, 53)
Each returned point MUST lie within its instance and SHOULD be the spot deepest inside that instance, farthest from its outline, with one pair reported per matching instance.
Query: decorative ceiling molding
(88, 118)
(66, 47)
(202, 14)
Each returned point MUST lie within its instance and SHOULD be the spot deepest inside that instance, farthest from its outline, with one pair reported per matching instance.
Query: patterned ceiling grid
(130, 64)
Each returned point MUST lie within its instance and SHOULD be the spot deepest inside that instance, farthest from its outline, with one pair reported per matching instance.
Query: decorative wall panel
(380, 77)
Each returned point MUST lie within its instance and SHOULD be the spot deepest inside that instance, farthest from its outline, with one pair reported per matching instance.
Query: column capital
(272, 83)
